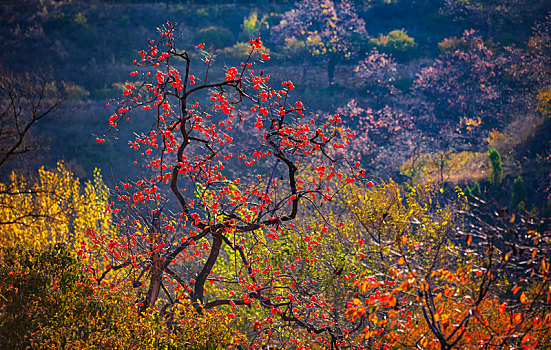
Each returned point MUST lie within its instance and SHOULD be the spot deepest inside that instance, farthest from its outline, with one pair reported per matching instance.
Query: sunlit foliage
(53, 208)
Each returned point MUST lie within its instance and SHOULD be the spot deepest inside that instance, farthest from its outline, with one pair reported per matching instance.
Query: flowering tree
(377, 72)
(384, 137)
(198, 228)
(530, 67)
(331, 29)
(460, 90)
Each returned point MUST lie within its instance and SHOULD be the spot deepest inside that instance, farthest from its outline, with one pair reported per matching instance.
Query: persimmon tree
(447, 278)
(331, 29)
(215, 199)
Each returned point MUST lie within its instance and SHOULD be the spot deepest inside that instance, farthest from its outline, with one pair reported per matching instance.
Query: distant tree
(330, 29)
(497, 169)
(519, 194)
(530, 67)
(25, 99)
(460, 92)
(383, 138)
(377, 71)
(253, 25)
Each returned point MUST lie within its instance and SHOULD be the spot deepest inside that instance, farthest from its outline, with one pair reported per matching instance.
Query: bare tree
(25, 99)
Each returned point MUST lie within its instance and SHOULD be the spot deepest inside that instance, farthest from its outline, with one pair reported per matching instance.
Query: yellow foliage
(55, 209)
(446, 167)
(49, 303)
(544, 100)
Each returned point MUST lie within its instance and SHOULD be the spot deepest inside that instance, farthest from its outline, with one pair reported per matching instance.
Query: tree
(331, 29)
(25, 99)
(384, 138)
(441, 277)
(377, 72)
(492, 16)
(518, 195)
(529, 67)
(53, 208)
(460, 92)
(497, 169)
(229, 199)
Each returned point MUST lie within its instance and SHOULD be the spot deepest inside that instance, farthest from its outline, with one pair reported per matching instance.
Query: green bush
(473, 191)
(238, 51)
(519, 194)
(396, 43)
(497, 168)
(215, 37)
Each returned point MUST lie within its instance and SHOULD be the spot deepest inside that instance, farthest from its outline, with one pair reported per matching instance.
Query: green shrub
(473, 191)
(519, 194)
(497, 168)
(215, 37)
(237, 51)
(294, 48)
(396, 43)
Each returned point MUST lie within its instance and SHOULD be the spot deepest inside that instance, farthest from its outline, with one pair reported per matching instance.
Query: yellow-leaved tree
(56, 208)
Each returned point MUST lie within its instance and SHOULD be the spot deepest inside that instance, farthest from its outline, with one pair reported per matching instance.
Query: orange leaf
(469, 240)
(401, 260)
(404, 239)
(424, 286)
(523, 298)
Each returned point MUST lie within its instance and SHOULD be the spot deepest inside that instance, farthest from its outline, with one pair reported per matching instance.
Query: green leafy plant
(396, 42)
(519, 194)
(497, 168)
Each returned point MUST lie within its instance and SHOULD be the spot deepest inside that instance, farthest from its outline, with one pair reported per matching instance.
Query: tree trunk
(154, 282)
(199, 289)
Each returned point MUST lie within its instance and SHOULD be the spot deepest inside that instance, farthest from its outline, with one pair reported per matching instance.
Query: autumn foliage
(447, 281)
(251, 222)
